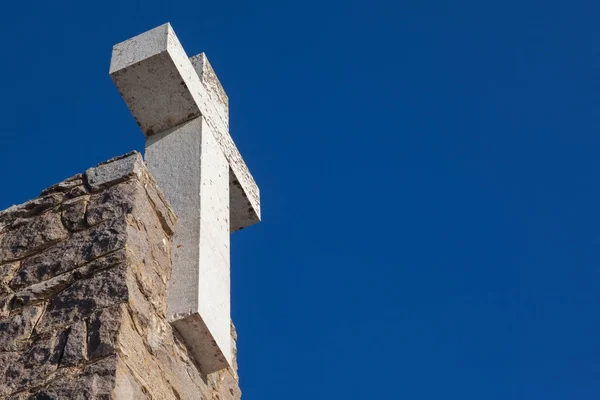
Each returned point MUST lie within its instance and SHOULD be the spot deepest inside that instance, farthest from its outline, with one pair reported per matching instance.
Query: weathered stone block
(29, 209)
(111, 203)
(41, 291)
(79, 300)
(84, 318)
(32, 235)
(75, 351)
(66, 185)
(103, 329)
(114, 171)
(165, 213)
(96, 381)
(16, 330)
(81, 248)
(33, 366)
(73, 215)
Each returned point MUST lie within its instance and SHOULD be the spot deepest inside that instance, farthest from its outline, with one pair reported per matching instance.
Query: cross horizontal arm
(163, 88)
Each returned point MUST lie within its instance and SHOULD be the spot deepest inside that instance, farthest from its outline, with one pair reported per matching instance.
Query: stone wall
(83, 276)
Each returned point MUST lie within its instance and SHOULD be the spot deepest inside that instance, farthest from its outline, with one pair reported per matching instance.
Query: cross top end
(164, 88)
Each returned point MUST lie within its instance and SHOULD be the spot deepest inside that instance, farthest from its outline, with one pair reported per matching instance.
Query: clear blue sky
(430, 176)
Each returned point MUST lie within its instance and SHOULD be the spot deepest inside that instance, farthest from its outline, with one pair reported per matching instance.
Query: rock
(112, 203)
(46, 289)
(7, 371)
(165, 213)
(73, 215)
(7, 273)
(77, 191)
(105, 289)
(92, 382)
(83, 317)
(112, 259)
(30, 208)
(75, 350)
(81, 248)
(42, 291)
(114, 171)
(109, 237)
(5, 305)
(66, 185)
(31, 236)
(33, 366)
(16, 330)
(103, 329)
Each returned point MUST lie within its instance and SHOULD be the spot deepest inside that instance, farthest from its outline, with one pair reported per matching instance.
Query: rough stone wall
(83, 277)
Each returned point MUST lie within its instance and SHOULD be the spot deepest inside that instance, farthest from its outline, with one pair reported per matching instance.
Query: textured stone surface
(84, 316)
(93, 381)
(31, 235)
(32, 207)
(16, 330)
(73, 215)
(81, 248)
(104, 325)
(7, 273)
(75, 351)
(34, 365)
(110, 204)
(165, 214)
(65, 186)
(114, 171)
(84, 296)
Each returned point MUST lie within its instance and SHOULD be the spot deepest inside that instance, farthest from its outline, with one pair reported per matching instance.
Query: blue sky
(430, 180)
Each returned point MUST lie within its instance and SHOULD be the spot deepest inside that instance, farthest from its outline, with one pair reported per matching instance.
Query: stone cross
(183, 110)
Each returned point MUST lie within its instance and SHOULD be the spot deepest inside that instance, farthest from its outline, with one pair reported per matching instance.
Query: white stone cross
(183, 110)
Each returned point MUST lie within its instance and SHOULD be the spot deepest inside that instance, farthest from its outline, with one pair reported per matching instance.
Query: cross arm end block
(244, 199)
(201, 343)
(147, 71)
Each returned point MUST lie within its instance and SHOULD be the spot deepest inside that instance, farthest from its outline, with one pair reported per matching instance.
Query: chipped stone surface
(165, 213)
(82, 297)
(111, 203)
(65, 186)
(84, 317)
(81, 248)
(114, 171)
(75, 351)
(32, 235)
(7, 273)
(30, 208)
(41, 291)
(92, 381)
(73, 215)
(103, 325)
(34, 365)
(17, 329)
(5, 305)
